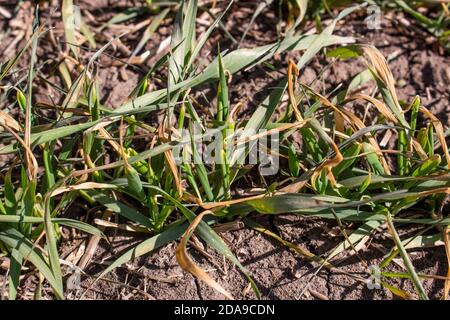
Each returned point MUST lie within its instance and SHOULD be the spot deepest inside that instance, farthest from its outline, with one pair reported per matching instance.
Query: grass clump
(341, 169)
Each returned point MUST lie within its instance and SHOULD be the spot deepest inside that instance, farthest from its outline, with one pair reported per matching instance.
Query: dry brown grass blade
(284, 127)
(98, 168)
(81, 186)
(327, 103)
(188, 265)
(87, 159)
(439, 131)
(173, 168)
(121, 226)
(445, 8)
(247, 139)
(100, 127)
(339, 121)
(9, 121)
(235, 110)
(30, 160)
(293, 72)
(329, 164)
(32, 165)
(171, 161)
(434, 191)
(105, 134)
(417, 146)
(295, 187)
(74, 111)
(384, 72)
(353, 121)
(303, 252)
(360, 125)
(92, 244)
(381, 107)
(213, 205)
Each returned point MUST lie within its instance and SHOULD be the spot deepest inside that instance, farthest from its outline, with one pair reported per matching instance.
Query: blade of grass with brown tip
(439, 131)
(188, 265)
(210, 236)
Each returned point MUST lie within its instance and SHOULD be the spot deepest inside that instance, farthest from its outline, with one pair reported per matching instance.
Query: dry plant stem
(293, 72)
(32, 169)
(440, 132)
(93, 244)
(170, 159)
(121, 226)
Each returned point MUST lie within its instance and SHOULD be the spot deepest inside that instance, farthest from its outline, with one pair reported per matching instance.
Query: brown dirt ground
(279, 273)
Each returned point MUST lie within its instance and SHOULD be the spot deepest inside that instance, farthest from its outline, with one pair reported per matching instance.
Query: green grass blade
(14, 239)
(408, 264)
(82, 226)
(120, 208)
(14, 272)
(52, 248)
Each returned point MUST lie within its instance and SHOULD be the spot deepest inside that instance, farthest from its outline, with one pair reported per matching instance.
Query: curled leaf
(187, 264)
